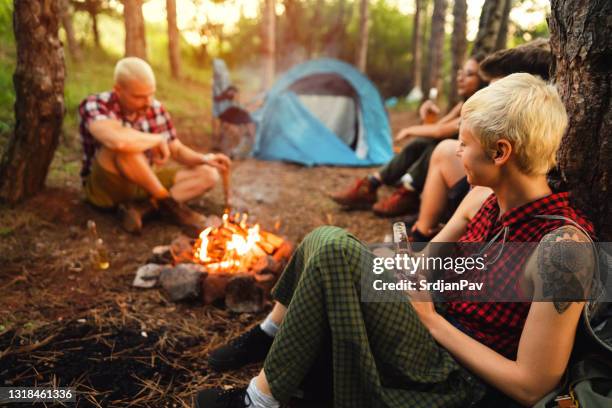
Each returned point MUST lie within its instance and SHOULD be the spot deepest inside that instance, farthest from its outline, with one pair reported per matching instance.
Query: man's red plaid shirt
(105, 105)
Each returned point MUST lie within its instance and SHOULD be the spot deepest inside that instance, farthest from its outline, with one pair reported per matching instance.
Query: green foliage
(522, 36)
(389, 56)
(7, 66)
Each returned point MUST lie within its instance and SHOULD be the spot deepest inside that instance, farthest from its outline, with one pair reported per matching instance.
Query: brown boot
(360, 196)
(133, 213)
(182, 215)
(402, 201)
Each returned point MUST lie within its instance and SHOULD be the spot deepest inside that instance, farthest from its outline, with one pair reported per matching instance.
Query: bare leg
(445, 170)
(135, 167)
(278, 313)
(192, 182)
(262, 383)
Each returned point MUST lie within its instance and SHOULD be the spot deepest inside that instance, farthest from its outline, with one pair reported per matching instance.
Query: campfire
(231, 261)
(234, 246)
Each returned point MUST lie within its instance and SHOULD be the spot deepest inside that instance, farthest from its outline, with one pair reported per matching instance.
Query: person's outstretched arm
(549, 332)
(189, 157)
(446, 127)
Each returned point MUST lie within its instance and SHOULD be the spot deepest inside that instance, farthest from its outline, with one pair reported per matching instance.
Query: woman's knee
(445, 149)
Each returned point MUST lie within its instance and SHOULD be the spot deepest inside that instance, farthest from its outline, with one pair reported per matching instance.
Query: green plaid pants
(382, 355)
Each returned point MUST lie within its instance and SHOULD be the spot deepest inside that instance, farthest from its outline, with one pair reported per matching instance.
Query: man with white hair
(128, 138)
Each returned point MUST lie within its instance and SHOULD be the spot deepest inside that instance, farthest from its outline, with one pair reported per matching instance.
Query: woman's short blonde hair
(524, 110)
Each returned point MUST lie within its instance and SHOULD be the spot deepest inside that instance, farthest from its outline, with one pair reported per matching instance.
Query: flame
(237, 250)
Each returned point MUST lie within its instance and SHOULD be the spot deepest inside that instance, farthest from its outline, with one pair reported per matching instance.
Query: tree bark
(39, 102)
(458, 47)
(334, 38)
(581, 40)
(416, 46)
(489, 26)
(313, 46)
(135, 40)
(502, 36)
(73, 45)
(94, 28)
(268, 43)
(173, 39)
(436, 46)
(361, 58)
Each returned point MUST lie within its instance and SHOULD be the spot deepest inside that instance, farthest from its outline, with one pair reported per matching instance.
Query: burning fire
(233, 246)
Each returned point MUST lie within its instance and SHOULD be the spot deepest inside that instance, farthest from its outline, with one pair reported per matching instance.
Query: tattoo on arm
(565, 266)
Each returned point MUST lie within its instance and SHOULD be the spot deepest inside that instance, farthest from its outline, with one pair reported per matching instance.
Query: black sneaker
(250, 347)
(218, 398)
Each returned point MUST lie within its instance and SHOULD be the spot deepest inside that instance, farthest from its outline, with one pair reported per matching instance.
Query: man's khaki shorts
(107, 190)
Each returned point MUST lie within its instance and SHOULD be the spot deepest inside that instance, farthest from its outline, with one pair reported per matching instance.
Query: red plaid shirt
(499, 325)
(105, 105)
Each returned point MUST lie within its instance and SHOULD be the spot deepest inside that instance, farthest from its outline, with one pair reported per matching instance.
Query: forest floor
(64, 322)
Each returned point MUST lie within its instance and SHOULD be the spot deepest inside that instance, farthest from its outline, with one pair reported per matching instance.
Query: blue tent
(323, 112)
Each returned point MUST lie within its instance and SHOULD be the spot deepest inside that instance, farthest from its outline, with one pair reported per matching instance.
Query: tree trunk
(361, 58)
(334, 39)
(436, 46)
(269, 43)
(416, 46)
(313, 46)
(39, 102)
(502, 36)
(458, 47)
(135, 40)
(173, 39)
(581, 40)
(425, 36)
(94, 28)
(73, 45)
(489, 26)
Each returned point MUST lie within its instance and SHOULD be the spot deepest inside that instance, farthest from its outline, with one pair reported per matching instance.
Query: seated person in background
(446, 183)
(408, 168)
(403, 352)
(128, 138)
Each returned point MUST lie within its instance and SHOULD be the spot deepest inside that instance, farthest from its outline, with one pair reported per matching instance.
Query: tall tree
(581, 40)
(364, 30)
(426, 12)
(268, 43)
(313, 46)
(436, 46)
(173, 39)
(458, 46)
(417, 92)
(335, 35)
(489, 26)
(135, 39)
(93, 8)
(39, 102)
(502, 37)
(73, 45)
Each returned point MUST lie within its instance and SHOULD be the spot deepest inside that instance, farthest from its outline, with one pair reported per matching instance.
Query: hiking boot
(132, 215)
(131, 220)
(182, 215)
(218, 398)
(360, 196)
(250, 347)
(402, 201)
